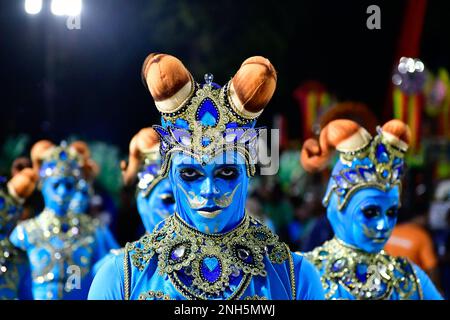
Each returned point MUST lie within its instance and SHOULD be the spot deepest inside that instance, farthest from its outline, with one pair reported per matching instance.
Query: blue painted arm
(25, 285)
(428, 289)
(108, 283)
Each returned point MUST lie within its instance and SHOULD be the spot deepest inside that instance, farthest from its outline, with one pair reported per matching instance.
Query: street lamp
(33, 6)
(70, 8)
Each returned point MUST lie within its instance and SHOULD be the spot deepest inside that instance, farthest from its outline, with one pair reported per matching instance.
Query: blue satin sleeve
(25, 286)
(307, 280)
(105, 242)
(101, 262)
(429, 290)
(108, 283)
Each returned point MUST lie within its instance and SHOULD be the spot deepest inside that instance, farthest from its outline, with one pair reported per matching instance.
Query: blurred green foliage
(13, 147)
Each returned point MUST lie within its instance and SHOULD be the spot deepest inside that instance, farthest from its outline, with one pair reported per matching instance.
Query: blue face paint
(80, 200)
(211, 197)
(156, 206)
(58, 192)
(368, 219)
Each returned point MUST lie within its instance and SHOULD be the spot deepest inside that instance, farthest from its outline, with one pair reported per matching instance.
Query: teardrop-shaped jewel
(242, 254)
(178, 252)
(209, 77)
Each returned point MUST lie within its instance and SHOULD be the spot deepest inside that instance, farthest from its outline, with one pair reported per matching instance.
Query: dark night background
(93, 74)
(57, 84)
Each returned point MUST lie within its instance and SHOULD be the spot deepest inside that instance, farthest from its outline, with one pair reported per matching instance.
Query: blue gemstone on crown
(181, 123)
(209, 77)
(181, 136)
(2, 203)
(207, 113)
(352, 176)
(63, 155)
(341, 181)
(206, 141)
(367, 173)
(397, 161)
(382, 153)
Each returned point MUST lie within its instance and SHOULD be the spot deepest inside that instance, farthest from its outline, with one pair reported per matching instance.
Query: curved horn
(342, 135)
(142, 142)
(253, 86)
(168, 81)
(39, 151)
(22, 185)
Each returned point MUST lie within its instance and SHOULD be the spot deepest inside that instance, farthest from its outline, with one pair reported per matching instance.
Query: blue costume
(154, 196)
(210, 248)
(62, 246)
(79, 204)
(362, 200)
(15, 274)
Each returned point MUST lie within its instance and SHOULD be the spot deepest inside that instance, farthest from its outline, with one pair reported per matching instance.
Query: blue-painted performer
(210, 248)
(362, 201)
(154, 196)
(62, 246)
(15, 273)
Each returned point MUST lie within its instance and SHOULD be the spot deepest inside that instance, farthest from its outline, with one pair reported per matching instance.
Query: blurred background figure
(15, 273)
(153, 193)
(62, 246)
(56, 83)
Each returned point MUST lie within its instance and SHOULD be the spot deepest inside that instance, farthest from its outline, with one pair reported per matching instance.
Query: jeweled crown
(379, 163)
(61, 161)
(204, 120)
(144, 161)
(150, 172)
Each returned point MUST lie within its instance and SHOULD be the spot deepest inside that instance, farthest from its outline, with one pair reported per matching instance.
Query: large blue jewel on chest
(207, 113)
(211, 268)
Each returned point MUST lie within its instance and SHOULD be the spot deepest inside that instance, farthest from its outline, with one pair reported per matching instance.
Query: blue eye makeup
(371, 211)
(190, 174)
(227, 173)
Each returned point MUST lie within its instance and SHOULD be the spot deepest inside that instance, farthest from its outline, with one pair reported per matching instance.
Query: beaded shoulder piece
(10, 259)
(366, 276)
(203, 266)
(75, 231)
